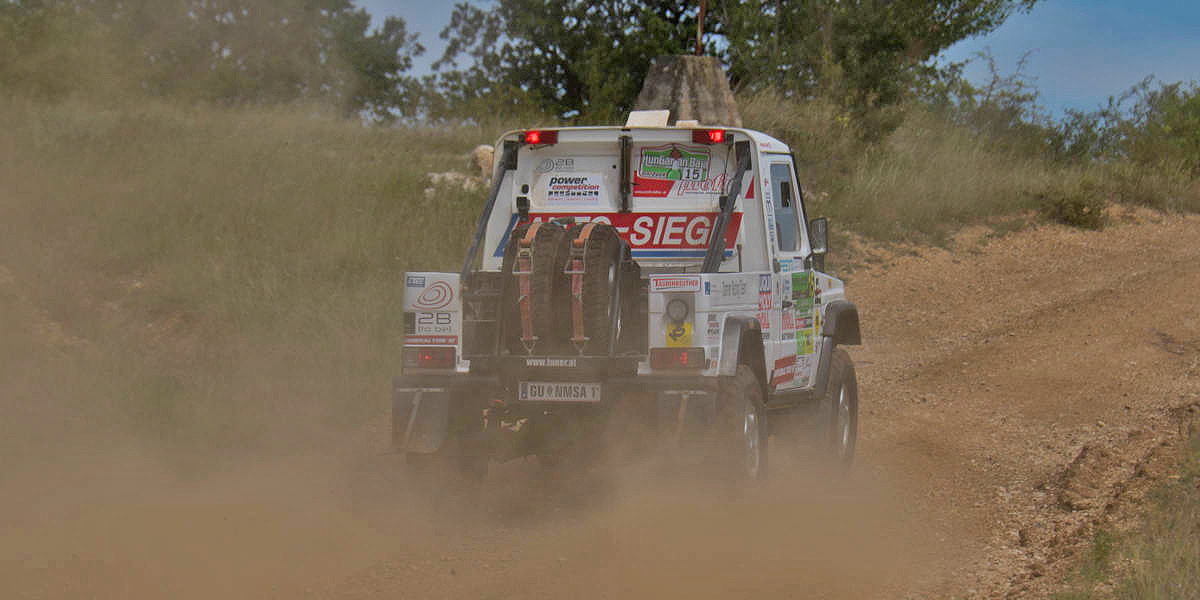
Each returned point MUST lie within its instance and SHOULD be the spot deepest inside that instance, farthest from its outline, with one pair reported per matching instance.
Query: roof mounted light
(708, 136)
(541, 138)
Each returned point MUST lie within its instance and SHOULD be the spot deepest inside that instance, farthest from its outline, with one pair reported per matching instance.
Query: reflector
(429, 357)
(677, 358)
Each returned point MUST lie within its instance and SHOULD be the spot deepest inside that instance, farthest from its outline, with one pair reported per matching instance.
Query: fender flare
(840, 322)
(736, 328)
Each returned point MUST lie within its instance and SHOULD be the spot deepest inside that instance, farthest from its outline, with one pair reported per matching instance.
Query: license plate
(558, 391)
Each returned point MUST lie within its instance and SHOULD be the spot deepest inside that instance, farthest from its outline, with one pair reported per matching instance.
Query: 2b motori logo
(657, 230)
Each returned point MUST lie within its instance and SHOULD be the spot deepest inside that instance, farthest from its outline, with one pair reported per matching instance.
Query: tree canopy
(229, 51)
(578, 59)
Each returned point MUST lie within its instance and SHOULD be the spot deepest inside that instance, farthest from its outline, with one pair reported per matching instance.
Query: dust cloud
(119, 519)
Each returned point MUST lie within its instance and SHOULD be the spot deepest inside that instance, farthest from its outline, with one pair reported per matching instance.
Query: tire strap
(523, 271)
(576, 269)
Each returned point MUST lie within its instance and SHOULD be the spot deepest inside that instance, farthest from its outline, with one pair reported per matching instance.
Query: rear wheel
(743, 423)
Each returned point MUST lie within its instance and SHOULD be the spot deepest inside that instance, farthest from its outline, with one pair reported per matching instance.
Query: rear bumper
(504, 387)
(424, 405)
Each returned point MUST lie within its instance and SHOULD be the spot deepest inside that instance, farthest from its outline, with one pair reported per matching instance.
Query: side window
(784, 199)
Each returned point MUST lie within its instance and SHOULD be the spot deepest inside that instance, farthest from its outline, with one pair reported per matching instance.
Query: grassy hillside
(222, 276)
(216, 271)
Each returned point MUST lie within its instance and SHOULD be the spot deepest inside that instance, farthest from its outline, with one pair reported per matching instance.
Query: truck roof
(762, 141)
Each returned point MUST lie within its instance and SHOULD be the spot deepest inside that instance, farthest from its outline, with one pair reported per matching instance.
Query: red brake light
(429, 357)
(537, 138)
(708, 136)
(677, 358)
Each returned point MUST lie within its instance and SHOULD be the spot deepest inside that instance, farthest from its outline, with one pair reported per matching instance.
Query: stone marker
(692, 88)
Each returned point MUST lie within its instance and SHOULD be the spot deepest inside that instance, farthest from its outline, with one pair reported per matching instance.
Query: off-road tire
(547, 285)
(604, 253)
(838, 414)
(742, 427)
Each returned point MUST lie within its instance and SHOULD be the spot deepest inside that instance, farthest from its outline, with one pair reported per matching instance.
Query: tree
(862, 52)
(571, 58)
(227, 51)
(585, 58)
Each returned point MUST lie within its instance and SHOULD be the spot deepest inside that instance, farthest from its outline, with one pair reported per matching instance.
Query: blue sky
(1083, 50)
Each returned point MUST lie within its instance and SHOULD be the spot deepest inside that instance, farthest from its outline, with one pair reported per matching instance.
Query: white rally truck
(664, 274)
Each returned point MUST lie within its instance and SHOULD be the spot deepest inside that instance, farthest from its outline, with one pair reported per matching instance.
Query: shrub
(1078, 202)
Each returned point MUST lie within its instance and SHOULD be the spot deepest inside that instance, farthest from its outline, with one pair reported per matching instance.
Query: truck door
(790, 302)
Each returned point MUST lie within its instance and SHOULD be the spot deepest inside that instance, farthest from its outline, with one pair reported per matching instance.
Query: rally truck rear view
(666, 276)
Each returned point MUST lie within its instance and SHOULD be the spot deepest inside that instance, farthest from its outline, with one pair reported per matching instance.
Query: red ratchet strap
(523, 270)
(578, 251)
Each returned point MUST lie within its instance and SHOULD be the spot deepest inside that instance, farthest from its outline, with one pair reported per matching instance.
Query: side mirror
(818, 235)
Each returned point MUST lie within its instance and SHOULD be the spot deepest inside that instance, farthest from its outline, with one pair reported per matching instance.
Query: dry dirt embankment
(1016, 393)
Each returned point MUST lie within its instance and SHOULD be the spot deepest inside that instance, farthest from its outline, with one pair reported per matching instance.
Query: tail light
(541, 138)
(708, 136)
(677, 358)
(429, 357)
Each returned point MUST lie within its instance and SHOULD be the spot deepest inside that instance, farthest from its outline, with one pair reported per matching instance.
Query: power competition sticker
(803, 291)
(574, 190)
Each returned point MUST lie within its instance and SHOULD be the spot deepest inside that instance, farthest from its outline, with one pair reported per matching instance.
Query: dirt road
(1016, 392)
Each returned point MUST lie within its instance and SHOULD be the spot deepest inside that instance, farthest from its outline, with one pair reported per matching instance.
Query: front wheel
(839, 411)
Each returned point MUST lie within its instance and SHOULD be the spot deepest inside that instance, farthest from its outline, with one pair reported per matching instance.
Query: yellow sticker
(679, 335)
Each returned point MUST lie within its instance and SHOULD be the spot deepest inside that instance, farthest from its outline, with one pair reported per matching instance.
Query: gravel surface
(1017, 392)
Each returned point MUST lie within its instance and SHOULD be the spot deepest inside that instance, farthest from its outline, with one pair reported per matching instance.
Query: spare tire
(547, 285)
(603, 253)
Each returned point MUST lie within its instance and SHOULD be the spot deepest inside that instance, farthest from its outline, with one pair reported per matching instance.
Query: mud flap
(420, 419)
(686, 417)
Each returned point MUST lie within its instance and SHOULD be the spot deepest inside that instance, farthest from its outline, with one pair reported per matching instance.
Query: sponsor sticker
(674, 162)
(556, 164)
(651, 235)
(679, 335)
(572, 189)
(733, 289)
(764, 310)
(714, 328)
(674, 284)
(438, 295)
(431, 340)
(805, 342)
(550, 362)
(432, 323)
(678, 170)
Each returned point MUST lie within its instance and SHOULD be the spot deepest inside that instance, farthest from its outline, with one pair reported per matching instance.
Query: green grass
(234, 272)
(1166, 554)
(910, 175)
(1163, 556)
